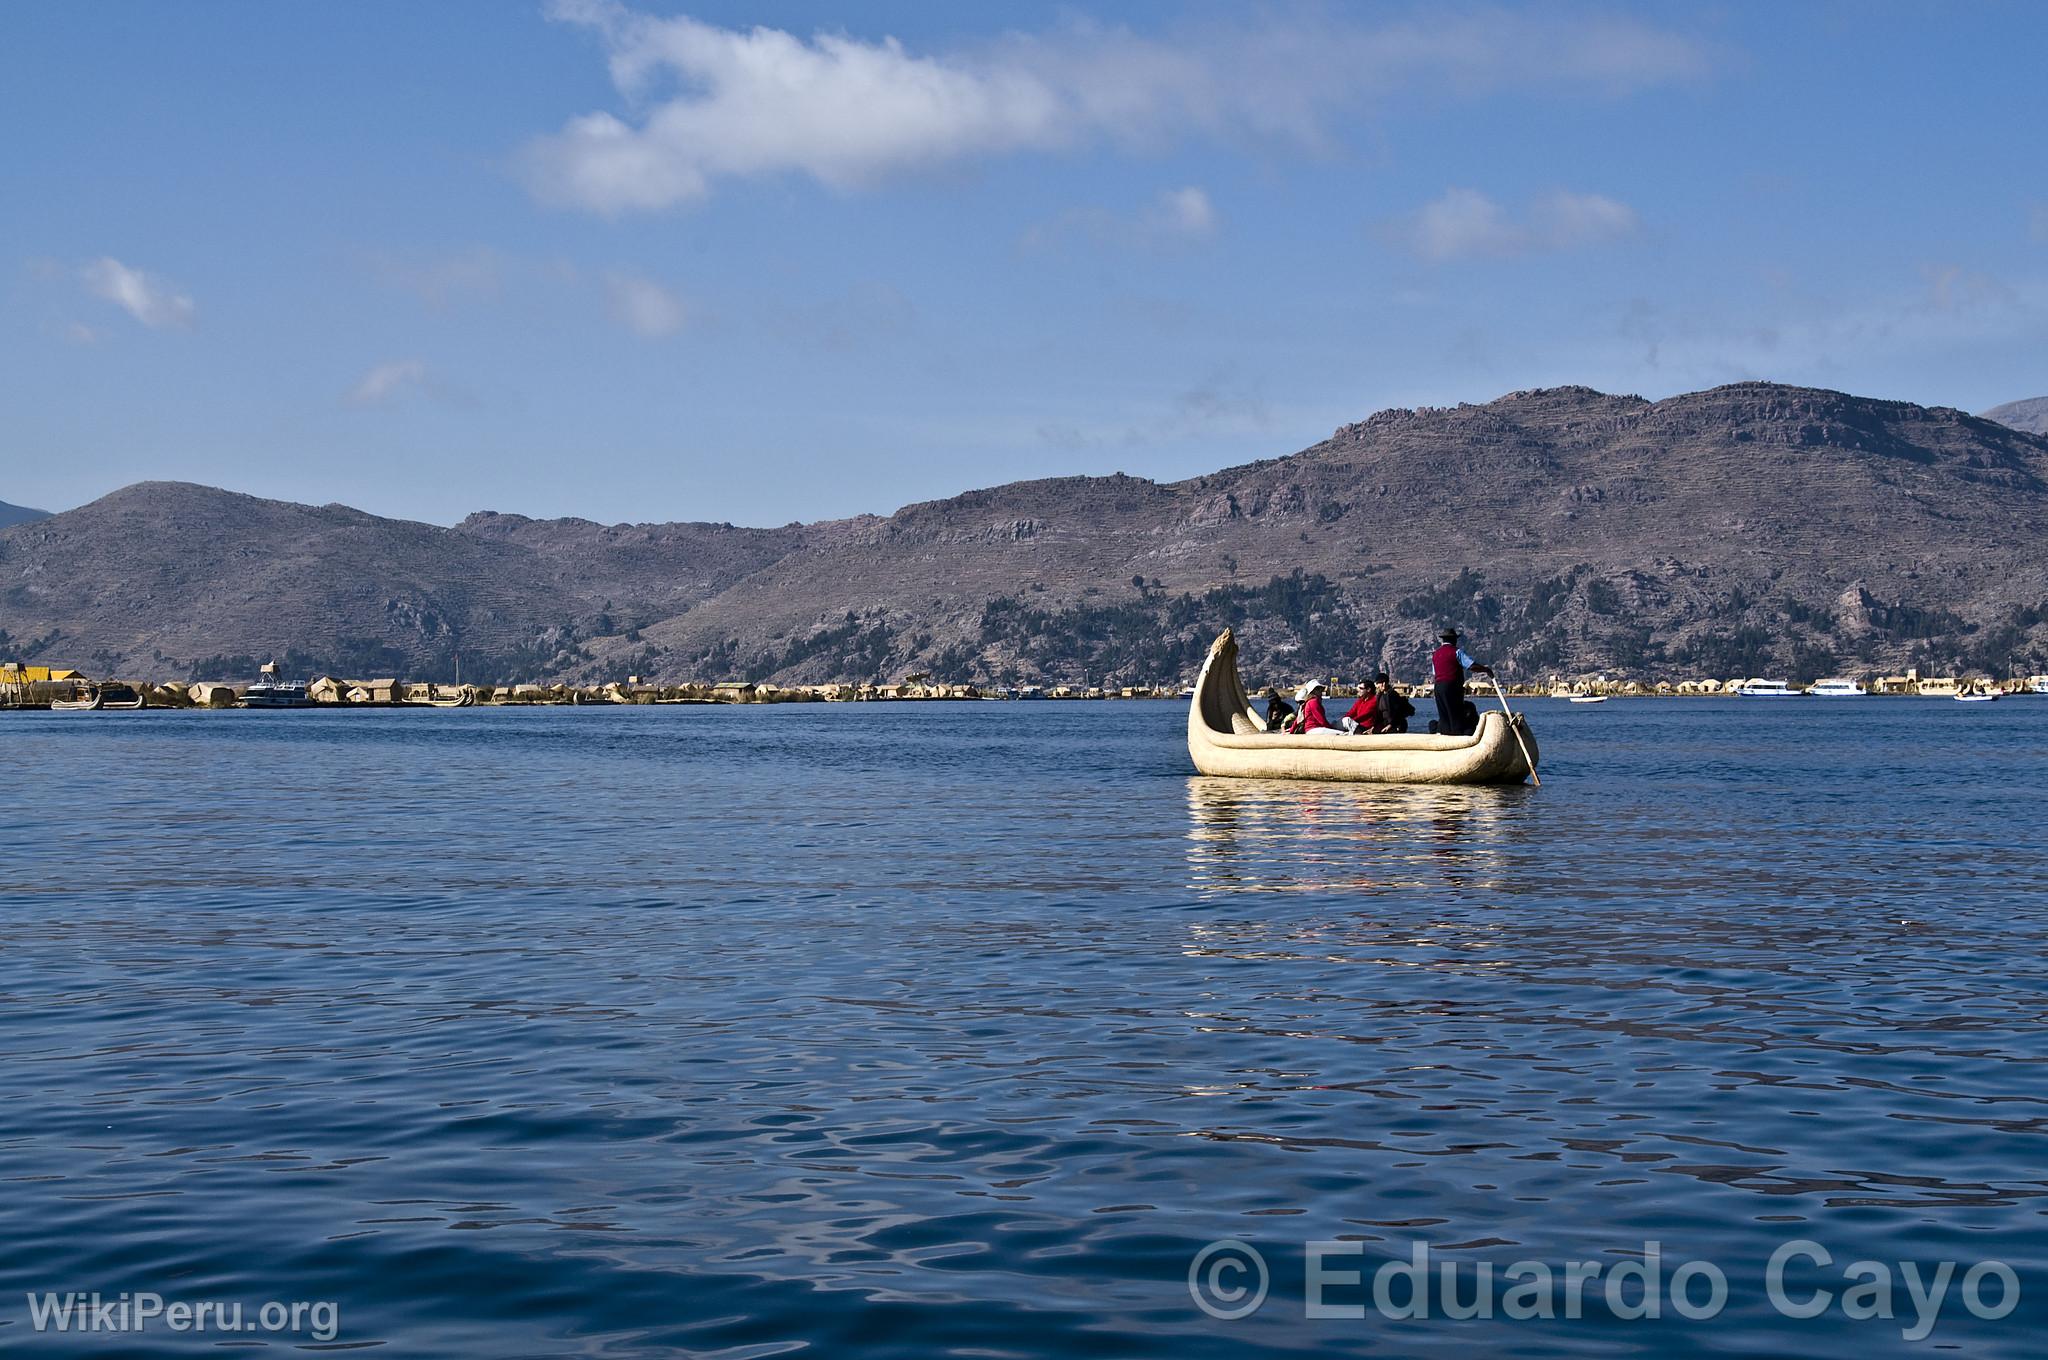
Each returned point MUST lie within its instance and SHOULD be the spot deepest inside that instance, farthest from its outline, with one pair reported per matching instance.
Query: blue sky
(770, 262)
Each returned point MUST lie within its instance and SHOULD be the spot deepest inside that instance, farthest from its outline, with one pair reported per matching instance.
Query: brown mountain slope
(1746, 529)
(168, 578)
(637, 574)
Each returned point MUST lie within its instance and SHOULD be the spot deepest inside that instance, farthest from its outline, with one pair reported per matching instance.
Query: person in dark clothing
(1392, 710)
(1279, 712)
(1448, 666)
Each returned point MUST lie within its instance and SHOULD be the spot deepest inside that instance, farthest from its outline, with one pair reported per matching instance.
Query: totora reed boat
(1226, 738)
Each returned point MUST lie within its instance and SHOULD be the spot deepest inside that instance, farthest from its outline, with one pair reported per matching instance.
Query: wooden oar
(1514, 729)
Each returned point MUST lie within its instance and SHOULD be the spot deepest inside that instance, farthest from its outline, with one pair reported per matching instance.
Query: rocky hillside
(19, 514)
(2030, 415)
(1752, 528)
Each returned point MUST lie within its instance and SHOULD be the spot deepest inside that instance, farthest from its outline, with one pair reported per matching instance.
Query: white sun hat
(1302, 695)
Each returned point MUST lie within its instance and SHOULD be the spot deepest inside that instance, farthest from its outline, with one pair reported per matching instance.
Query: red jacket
(1366, 709)
(1311, 716)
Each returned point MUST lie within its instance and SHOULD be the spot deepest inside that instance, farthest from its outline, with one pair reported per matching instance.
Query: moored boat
(273, 691)
(1766, 689)
(1589, 698)
(84, 699)
(1225, 737)
(1835, 689)
(1978, 695)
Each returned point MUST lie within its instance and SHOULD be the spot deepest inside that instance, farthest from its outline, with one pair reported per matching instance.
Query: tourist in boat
(1380, 708)
(1312, 717)
(1279, 713)
(1364, 716)
(1449, 665)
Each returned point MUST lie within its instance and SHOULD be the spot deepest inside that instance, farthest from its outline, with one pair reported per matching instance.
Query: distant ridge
(1750, 529)
(2030, 415)
(19, 514)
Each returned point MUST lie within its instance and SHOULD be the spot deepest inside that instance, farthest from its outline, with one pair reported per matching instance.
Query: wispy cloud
(387, 381)
(1219, 403)
(1466, 224)
(1800, 335)
(442, 281)
(1185, 212)
(643, 306)
(1175, 217)
(150, 300)
(707, 103)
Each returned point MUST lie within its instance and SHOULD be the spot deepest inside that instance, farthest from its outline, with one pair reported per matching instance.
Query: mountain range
(1750, 529)
(2030, 415)
(19, 514)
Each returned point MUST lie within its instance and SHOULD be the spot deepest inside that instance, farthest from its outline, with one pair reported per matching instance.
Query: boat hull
(1225, 739)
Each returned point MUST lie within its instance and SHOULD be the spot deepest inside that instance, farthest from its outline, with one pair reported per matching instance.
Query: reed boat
(1225, 737)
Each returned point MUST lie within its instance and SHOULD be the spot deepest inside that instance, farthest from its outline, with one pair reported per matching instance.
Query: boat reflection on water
(1259, 835)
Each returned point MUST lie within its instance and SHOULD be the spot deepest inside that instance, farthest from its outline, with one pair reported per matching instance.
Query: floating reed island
(45, 687)
(48, 687)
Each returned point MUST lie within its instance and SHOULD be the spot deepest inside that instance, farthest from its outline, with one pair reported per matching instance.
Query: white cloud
(1187, 212)
(148, 299)
(643, 306)
(709, 103)
(1466, 224)
(388, 380)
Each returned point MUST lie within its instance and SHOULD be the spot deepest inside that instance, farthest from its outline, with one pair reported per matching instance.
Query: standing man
(1448, 666)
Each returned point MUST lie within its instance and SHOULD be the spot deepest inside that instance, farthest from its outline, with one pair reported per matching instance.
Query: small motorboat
(1589, 698)
(1225, 737)
(1978, 696)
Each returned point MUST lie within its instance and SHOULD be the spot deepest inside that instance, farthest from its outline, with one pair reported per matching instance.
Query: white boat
(1589, 698)
(1766, 689)
(2038, 685)
(1836, 689)
(271, 691)
(1225, 737)
(1978, 696)
(82, 700)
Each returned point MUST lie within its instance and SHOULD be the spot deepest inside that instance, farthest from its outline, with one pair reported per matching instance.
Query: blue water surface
(961, 1029)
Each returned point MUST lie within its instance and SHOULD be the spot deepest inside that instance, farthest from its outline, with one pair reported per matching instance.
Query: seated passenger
(1393, 710)
(1380, 708)
(1312, 717)
(1359, 718)
(1279, 712)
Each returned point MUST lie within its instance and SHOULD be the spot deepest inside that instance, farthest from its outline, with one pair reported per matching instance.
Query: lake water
(960, 1029)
